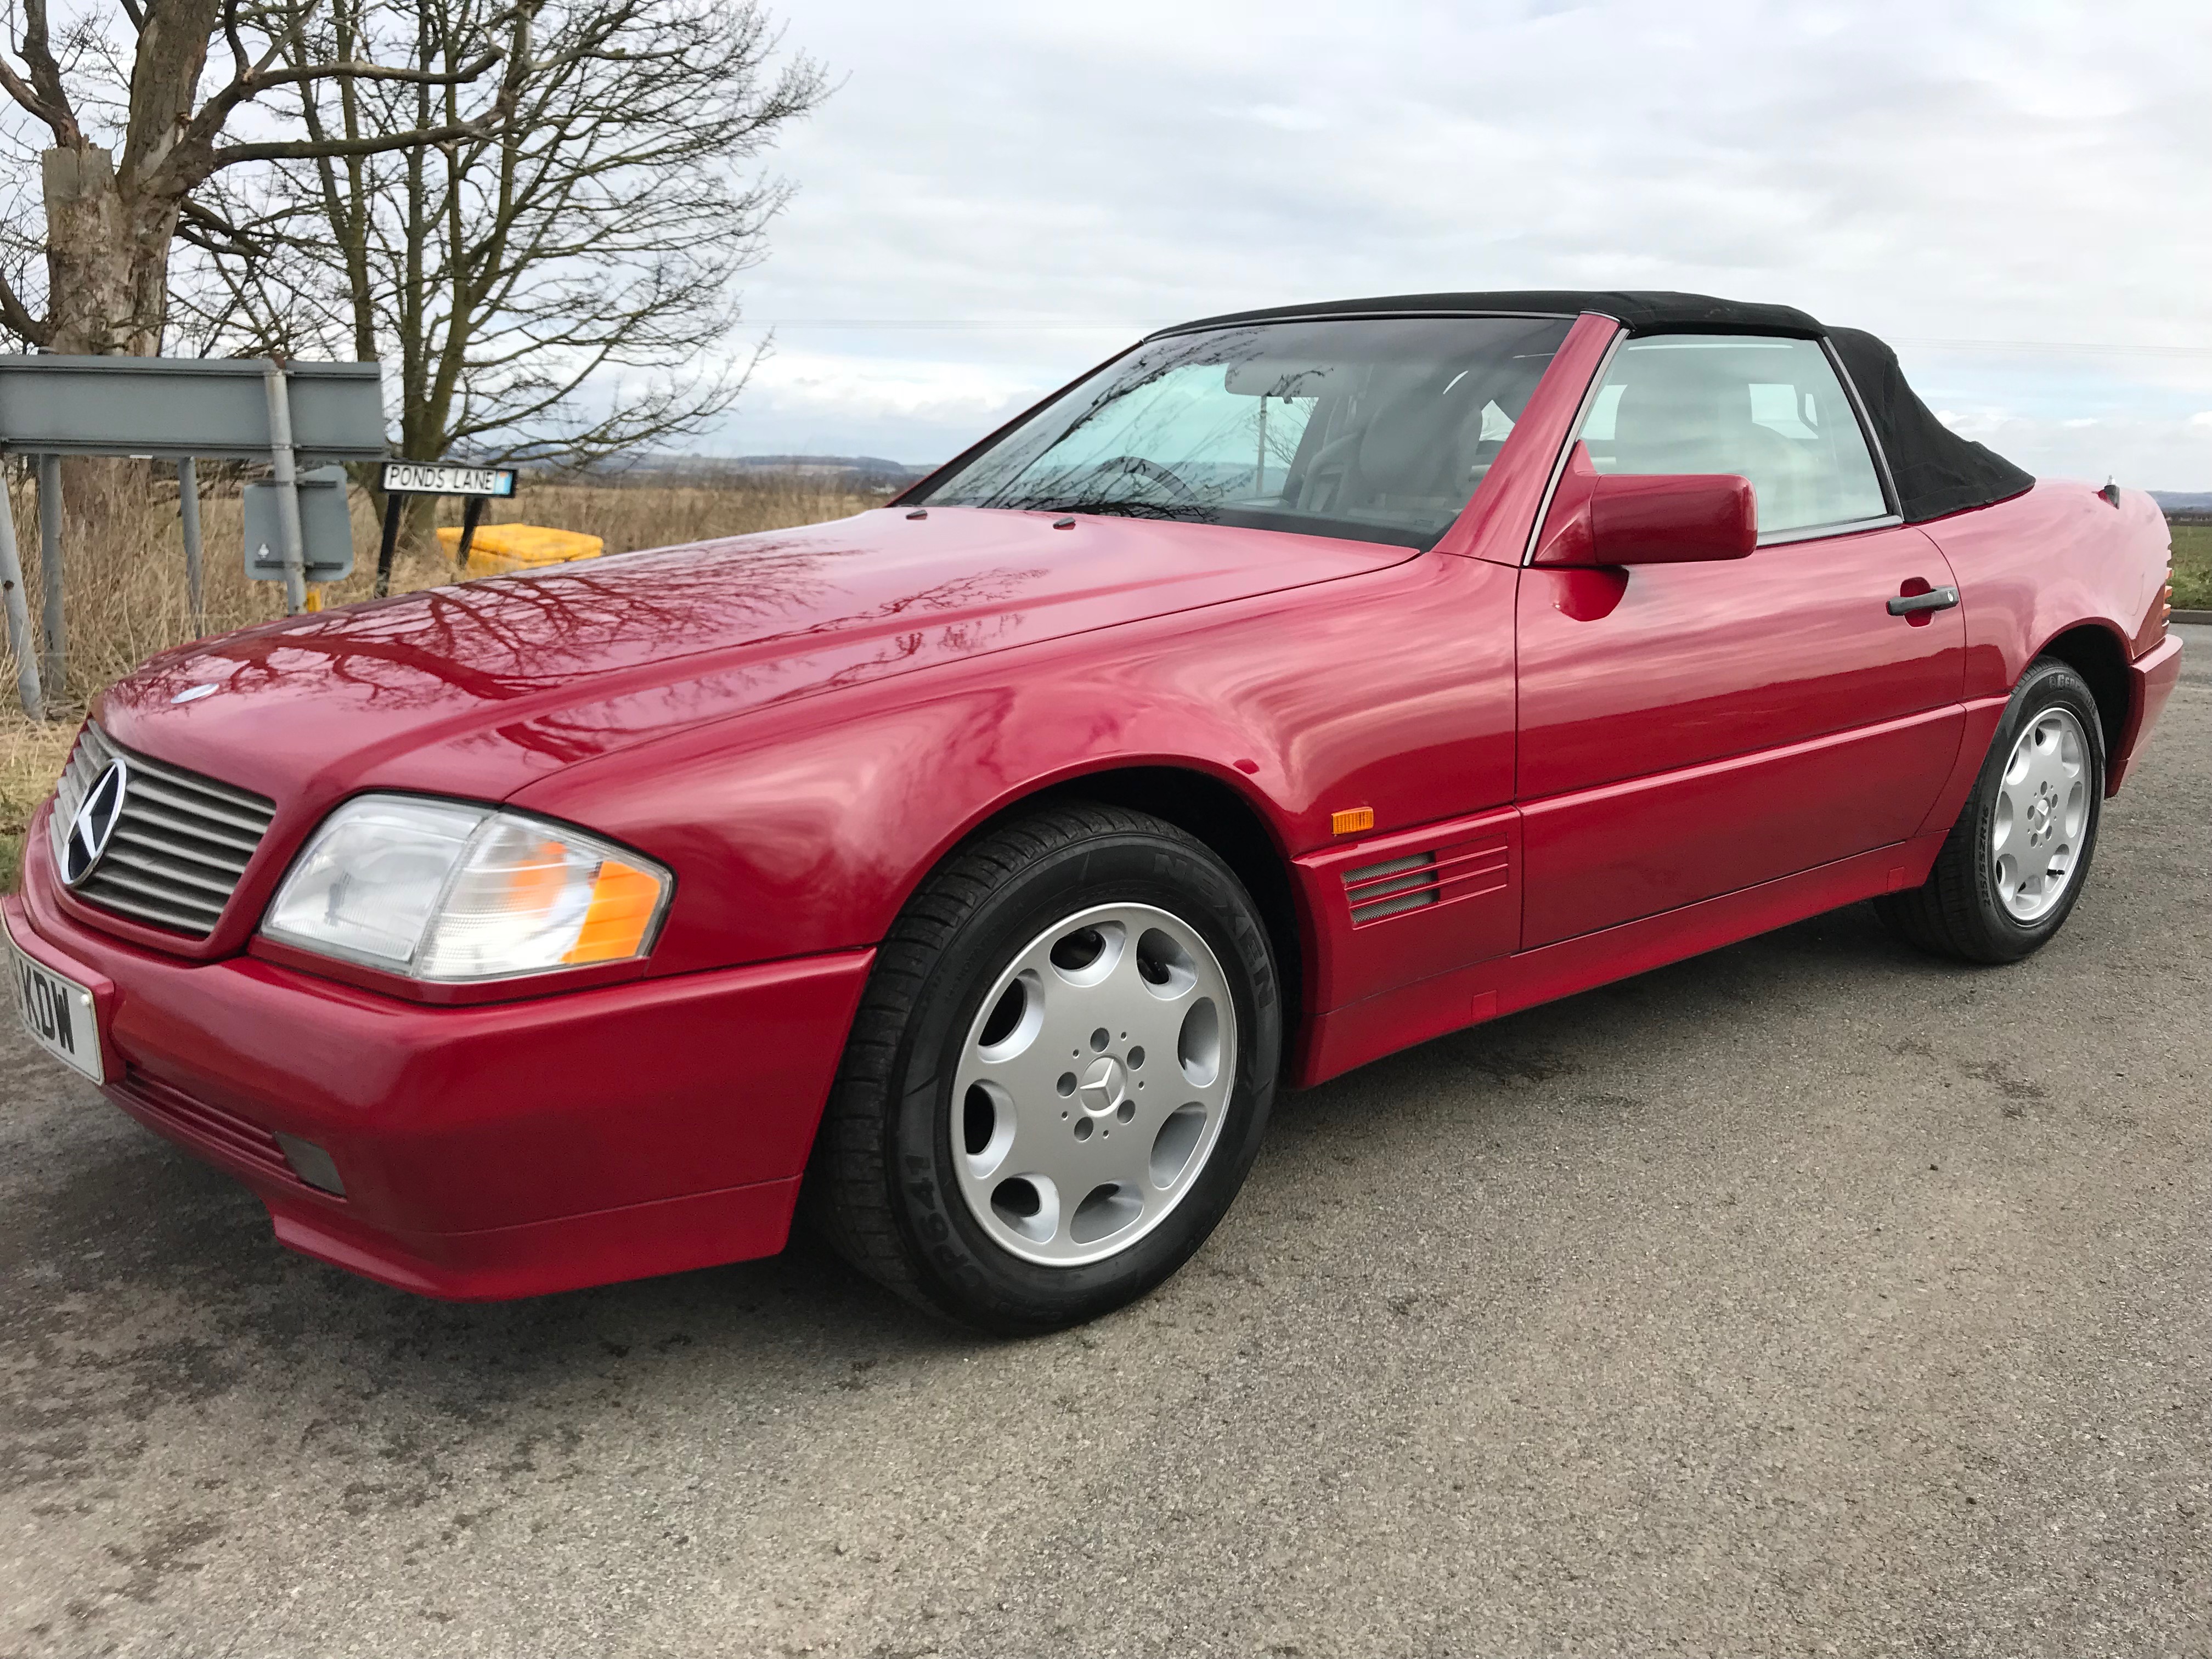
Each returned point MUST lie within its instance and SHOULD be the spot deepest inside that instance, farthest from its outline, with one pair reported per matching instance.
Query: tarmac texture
(1810, 1297)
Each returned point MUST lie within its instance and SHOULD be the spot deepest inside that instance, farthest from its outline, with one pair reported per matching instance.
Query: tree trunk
(109, 228)
(106, 257)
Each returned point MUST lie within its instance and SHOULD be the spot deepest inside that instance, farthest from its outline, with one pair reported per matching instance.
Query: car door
(1689, 730)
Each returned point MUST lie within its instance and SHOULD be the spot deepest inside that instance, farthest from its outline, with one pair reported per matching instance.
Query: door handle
(1936, 599)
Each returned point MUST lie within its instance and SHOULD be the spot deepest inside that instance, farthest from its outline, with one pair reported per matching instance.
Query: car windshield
(1374, 429)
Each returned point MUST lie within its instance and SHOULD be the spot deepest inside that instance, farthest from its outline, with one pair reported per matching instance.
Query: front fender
(805, 828)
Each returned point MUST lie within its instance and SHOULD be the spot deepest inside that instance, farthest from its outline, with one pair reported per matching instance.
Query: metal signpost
(404, 478)
(174, 409)
(320, 523)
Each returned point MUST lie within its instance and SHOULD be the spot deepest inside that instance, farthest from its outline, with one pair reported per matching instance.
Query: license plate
(57, 1012)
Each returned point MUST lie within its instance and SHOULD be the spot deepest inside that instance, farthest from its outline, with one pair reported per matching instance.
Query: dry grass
(2192, 566)
(125, 593)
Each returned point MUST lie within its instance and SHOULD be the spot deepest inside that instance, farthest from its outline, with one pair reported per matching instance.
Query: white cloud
(2148, 455)
(885, 388)
(1998, 170)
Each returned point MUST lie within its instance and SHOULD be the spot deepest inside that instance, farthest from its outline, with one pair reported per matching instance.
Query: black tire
(1957, 912)
(881, 1186)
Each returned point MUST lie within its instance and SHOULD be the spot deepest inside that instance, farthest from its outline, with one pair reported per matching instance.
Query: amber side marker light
(1351, 821)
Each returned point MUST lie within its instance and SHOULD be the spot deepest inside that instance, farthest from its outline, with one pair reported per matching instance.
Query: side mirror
(1670, 519)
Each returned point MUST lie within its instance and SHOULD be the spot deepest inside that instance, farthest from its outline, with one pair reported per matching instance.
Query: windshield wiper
(1178, 511)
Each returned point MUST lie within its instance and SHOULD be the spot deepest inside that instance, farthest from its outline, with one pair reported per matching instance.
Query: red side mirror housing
(1670, 519)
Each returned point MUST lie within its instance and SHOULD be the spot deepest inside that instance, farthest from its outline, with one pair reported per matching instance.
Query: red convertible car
(1301, 684)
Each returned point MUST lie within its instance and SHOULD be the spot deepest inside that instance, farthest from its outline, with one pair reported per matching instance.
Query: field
(124, 592)
(2192, 566)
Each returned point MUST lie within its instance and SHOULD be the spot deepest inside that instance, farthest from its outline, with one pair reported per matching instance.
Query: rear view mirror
(1275, 377)
(1665, 519)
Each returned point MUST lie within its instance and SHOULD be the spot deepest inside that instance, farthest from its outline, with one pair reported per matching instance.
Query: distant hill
(873, 464)
(853, 471)
(2184, 503)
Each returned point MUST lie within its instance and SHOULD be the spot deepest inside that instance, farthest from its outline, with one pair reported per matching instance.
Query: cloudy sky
(2019, 195)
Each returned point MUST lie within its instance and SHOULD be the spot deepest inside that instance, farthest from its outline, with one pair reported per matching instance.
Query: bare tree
(554, 288)
(135, 143)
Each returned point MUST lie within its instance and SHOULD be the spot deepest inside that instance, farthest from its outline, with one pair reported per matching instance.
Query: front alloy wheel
(1093, 1085)
(1059, 1073)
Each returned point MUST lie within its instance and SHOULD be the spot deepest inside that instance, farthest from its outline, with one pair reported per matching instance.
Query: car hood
(483, 688)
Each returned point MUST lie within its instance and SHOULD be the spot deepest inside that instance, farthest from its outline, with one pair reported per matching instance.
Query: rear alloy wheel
(1058, 1075)
(2015, 863)
(2039, 828)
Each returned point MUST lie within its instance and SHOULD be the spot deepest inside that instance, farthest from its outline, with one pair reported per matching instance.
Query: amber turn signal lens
(1351, 821)
(622, 903)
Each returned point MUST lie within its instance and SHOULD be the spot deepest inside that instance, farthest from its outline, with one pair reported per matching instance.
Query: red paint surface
(1611, 767)
(1727, 723)
(448, 1124)
(2153, 677)
(2056, 559)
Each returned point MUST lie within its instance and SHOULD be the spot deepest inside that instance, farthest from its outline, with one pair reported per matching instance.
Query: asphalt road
(1810, 1297)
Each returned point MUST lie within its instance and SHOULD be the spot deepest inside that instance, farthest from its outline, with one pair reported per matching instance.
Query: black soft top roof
(1937, 472)
(1643, 310)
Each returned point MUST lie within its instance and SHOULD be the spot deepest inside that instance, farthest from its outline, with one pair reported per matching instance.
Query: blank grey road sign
(326, 528)
(174, 407)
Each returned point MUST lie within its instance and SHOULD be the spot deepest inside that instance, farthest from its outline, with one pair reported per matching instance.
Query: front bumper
(501, 1149)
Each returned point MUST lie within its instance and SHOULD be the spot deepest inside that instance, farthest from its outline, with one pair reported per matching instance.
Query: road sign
(326, 528)
(172, 408)
(437, 478)
(401, 478)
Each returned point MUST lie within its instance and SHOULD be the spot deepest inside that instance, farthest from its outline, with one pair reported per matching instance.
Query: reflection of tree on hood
(492, 640)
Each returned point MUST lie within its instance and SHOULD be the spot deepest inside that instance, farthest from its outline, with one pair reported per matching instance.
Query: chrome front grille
(179, 848)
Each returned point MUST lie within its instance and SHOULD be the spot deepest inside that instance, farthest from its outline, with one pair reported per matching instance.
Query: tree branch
(240, 65)
(46, 96)
(16, 316)
(259, 78)
(307, 149)
(204, 227)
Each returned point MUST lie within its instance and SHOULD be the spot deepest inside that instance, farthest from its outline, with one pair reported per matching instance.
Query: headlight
(441, 890)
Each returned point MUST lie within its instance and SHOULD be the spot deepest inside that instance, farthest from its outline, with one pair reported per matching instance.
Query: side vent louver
(1415, 881)
(1392, 887)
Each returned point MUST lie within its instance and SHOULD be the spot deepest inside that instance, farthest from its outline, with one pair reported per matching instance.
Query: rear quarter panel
(2054, 558)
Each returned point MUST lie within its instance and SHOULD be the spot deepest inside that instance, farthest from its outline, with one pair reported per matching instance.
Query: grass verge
(2192, 566)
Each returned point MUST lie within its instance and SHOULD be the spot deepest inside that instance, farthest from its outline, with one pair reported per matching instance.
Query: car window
(1372, 429)
(1770, 411)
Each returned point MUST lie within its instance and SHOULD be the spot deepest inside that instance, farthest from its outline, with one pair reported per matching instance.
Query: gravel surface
(1809, 1297)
